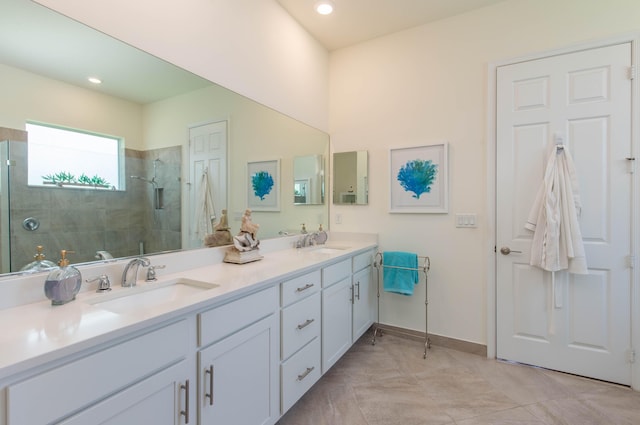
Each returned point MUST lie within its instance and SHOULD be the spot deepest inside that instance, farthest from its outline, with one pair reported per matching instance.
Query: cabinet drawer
(335, 272)
(299, 373)
(363, 260)
(48, 396)
(300, 287)
(226, 319)
(300, 324)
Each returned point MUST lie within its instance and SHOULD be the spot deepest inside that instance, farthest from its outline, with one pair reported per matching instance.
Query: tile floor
(390, 383)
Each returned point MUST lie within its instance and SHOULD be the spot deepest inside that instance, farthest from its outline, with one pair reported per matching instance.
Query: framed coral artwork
(263, 189)
(419, 179)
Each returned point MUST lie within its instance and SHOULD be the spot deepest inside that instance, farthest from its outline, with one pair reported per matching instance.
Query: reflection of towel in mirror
(205, 211)
(400, 272)
(557, 240)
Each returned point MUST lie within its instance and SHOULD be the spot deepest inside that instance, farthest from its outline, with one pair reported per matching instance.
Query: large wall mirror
(351, 178)
(154, 106)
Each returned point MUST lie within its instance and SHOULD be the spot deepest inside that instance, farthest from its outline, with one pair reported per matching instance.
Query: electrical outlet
(338, 218)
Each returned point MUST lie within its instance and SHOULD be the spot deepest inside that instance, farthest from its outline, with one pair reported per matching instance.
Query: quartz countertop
(38, 332)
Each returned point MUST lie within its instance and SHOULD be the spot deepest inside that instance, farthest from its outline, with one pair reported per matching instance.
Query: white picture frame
(419, 179)
(263, 185)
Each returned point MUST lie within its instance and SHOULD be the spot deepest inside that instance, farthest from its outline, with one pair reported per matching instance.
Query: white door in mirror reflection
(207, 153)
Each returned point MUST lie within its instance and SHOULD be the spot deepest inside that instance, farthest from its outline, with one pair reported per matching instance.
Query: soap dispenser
(321, 235)
(63, 283)
(39, 264)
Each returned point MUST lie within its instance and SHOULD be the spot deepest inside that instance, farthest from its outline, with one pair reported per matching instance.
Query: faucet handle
(104, 284)
(151, 272)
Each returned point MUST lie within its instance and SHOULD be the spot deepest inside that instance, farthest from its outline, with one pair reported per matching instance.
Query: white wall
(429, 84)
(38, 98)
(252, 47)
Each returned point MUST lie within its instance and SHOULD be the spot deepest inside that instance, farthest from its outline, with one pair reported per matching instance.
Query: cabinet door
(362, 302)
(239, 382)
(336, 322)
(160, 400)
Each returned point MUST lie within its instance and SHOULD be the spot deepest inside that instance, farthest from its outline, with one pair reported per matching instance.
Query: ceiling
(355, 21)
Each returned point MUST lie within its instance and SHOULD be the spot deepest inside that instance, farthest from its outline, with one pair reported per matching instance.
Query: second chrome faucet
(130, 274)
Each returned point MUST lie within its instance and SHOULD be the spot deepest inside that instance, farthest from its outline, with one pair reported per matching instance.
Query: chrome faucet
(307, 239)
(130, 274)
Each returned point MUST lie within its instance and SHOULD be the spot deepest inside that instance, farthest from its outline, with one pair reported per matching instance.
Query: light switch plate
(467, 220)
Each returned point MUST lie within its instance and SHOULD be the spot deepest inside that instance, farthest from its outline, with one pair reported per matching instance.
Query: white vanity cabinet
(348, 305)
(364, 296)
(337, 313)
(244, 360)
(300, 336)
(238, 366)
(145, 379)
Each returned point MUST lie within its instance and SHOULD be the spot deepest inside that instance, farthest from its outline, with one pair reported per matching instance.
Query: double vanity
(207, 343)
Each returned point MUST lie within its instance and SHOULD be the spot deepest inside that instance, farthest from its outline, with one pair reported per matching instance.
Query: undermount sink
(148, 295)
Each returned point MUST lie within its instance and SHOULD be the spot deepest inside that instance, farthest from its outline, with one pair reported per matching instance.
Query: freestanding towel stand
(426, 264)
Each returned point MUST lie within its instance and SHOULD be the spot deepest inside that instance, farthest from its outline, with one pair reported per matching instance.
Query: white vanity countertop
(38, 332)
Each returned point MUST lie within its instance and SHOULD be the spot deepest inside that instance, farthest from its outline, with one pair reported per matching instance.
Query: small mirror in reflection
(351, 178)
(308, 180)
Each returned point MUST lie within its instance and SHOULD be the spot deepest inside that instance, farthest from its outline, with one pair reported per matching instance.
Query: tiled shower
(124, 223)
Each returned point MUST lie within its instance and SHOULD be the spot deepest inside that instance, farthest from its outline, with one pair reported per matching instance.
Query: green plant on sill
(95, 180)
(64, 177)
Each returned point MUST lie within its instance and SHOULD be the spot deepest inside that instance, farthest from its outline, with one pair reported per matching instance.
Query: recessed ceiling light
(324, 7)
(94, 80)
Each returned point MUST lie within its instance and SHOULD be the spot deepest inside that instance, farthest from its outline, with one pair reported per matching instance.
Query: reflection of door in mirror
(350, 178)
(308, 180)
(207, 155)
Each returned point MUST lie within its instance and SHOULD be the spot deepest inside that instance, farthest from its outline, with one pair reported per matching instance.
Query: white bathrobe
(557, 241)
(205, 210)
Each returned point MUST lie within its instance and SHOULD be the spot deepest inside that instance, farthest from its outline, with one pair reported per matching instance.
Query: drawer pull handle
(306, 373)
(185, 412)
(305, 287)
(210, 395)
(306, 323)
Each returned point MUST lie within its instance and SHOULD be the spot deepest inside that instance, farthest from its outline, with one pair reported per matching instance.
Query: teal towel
(398, 280)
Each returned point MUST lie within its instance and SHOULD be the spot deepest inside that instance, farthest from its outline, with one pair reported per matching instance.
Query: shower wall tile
(87, 221)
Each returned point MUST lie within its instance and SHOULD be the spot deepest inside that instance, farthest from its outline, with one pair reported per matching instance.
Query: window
(72, 158)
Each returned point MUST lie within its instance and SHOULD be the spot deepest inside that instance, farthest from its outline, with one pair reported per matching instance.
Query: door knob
(505, 250)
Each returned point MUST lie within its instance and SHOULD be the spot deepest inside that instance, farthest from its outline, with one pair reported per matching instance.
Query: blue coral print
(262, 183)
(417, 176)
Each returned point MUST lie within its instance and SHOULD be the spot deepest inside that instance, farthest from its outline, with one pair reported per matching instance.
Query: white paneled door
(207, 152)
(574, 323)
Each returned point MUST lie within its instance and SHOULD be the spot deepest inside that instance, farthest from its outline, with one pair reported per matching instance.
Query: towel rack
(424, 267)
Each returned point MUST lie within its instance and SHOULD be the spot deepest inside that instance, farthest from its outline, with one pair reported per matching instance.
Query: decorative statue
(223, 224)
(245, 244)
(221, 235)
(247, 225)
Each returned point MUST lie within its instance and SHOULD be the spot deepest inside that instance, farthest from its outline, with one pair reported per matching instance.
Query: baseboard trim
(439, 340)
